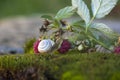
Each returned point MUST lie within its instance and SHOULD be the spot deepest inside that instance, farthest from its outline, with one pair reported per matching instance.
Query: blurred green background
(29, 7)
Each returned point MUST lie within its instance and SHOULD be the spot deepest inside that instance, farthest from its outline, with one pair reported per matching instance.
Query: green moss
(115, 76)
(28, 47)
(72, 75)
(71, 66)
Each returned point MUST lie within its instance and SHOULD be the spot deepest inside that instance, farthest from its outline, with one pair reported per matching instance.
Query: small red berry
(35, 46)
(117, 50)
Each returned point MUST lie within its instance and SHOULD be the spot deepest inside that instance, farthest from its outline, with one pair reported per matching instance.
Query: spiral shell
(101, 49)
(45, 46)
(52, 42)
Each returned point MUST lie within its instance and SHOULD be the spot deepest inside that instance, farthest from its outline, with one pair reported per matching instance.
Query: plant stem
(93, 17)
(89, 23)
(98, 42)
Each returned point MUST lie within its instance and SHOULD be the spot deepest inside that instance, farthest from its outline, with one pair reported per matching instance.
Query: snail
(45, 46)
(101, 49)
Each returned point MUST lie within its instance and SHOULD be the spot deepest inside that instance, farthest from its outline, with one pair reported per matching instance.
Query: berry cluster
(65, 46)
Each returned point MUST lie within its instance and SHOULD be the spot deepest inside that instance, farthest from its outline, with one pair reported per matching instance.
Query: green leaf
(77, 37)
(78, 26)
(65, 12)
(83, 10)
(105, 30)
(96, 33)
(100, 36)
(101, 8)
(77, 23)
(100, 42)
(75, 3)
(47, 17)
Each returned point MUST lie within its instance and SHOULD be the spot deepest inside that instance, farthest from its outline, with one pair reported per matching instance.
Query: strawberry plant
(86, 35)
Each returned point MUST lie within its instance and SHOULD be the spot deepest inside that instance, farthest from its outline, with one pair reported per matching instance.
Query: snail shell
(52, 42)
(101, 49)
(45, 46)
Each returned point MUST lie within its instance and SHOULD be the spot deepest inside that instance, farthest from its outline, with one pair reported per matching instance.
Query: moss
(72, 66)
(28, 47)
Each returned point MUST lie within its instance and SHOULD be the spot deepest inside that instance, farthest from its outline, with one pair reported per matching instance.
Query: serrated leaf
(83, 10)
(101, 8)
(65, 13)
(105, 30)
(75, 3)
